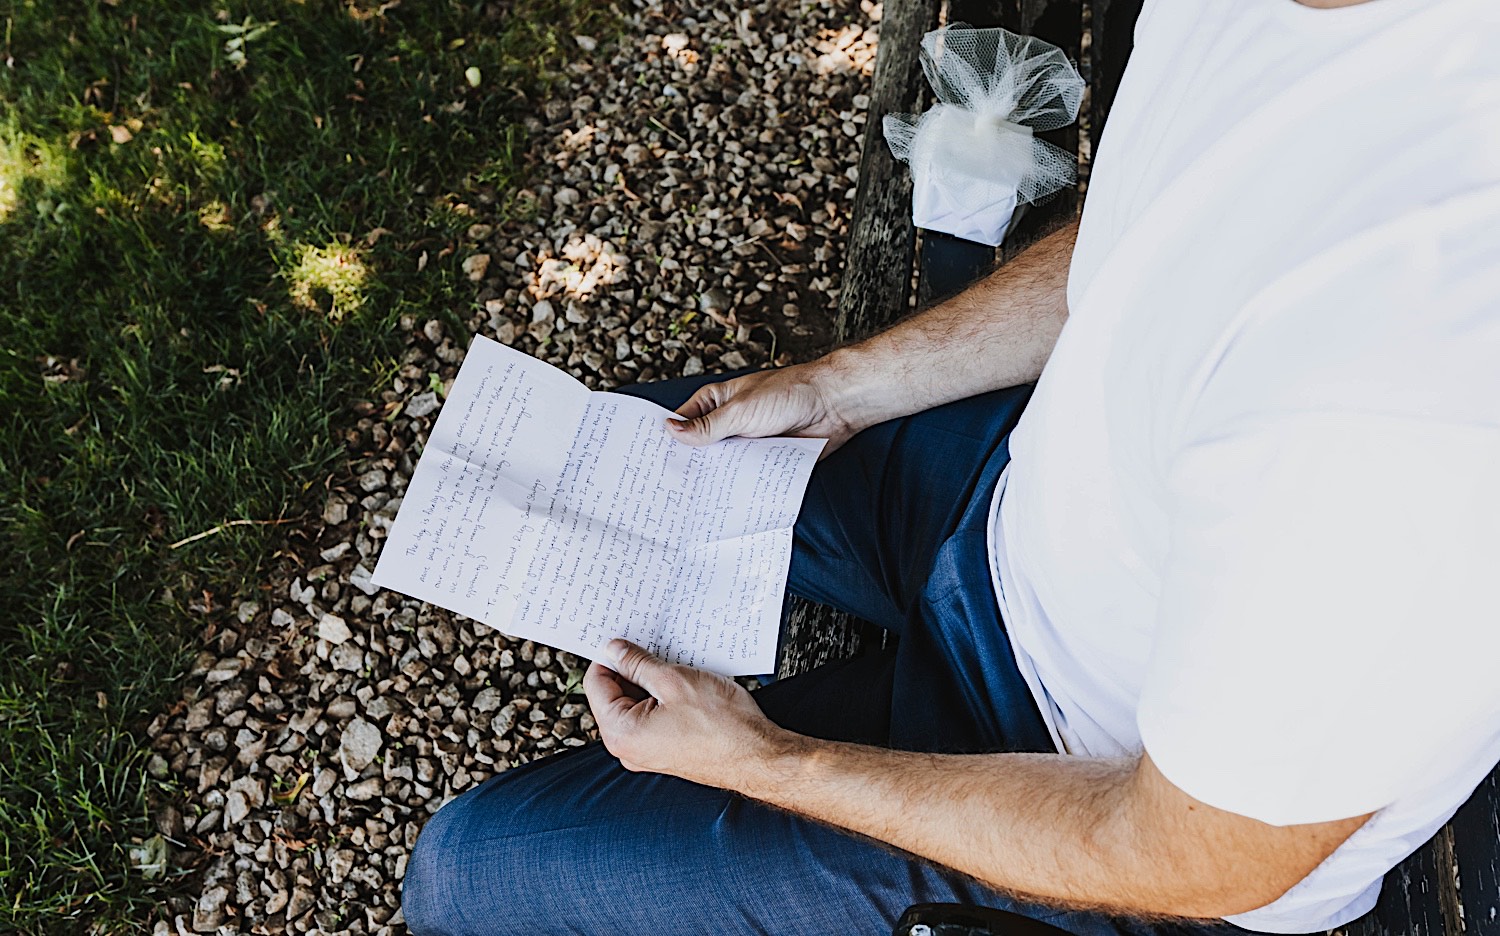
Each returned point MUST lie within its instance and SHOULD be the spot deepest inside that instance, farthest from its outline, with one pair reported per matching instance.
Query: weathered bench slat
(1476, 846)
(1112, 36)
(949, 264)
(876, 292)
(878, 264)
(879, 270)
(1409, 904)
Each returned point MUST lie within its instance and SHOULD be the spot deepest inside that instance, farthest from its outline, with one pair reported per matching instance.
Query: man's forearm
(1082, 832)
(1038, 825)
(1077, 832)
(997, 333)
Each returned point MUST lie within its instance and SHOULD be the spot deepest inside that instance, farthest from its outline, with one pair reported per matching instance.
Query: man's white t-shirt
(1252, 521)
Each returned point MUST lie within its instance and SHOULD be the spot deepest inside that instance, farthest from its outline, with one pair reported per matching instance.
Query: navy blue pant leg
(892, 530)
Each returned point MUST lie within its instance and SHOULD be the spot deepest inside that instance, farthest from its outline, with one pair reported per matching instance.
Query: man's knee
(427, 891)
(485, 860)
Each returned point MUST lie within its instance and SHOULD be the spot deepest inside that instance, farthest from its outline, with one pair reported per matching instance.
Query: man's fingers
(613, 700)
(602, 686)
(637, 666)
(702, 430)
(703, 400)
(711, 415)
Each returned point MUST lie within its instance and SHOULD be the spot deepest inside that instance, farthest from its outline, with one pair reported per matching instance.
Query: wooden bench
(1451, 885)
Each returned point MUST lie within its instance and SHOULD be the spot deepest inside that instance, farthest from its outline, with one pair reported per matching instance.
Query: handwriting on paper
(570, 517)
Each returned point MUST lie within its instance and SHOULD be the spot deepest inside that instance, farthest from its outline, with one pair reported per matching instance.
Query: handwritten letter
(570, 517)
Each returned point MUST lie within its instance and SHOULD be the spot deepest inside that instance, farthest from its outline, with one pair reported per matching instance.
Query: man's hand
(793, 401)
(996, 334)
(658, 717)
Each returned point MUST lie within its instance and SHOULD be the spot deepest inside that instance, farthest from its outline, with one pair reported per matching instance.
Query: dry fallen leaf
(288, 796)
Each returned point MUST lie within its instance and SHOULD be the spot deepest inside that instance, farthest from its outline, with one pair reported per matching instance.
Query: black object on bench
(1451, 886)
(959, 920)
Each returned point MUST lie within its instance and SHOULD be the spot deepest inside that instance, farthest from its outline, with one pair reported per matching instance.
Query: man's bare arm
(1113, 835)
(1079, 832)
(998, 333)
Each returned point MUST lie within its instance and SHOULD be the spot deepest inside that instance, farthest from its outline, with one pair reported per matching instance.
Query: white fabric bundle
(973, 157)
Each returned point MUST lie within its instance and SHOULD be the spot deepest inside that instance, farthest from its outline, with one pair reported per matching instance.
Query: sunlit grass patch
(331, 279)
(31, 170)
(169, 211)
(10, 178)
(215, 217)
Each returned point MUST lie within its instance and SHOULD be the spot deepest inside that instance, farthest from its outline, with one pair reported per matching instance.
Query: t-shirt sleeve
(1330, 613)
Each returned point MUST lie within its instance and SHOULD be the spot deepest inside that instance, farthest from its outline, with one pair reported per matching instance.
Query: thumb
(639, 667)
(710, 415)
(701, 430)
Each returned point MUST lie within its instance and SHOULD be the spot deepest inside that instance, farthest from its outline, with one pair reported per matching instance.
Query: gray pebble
(333, 629)
(423, 404)
(359, 744)
(373, 480)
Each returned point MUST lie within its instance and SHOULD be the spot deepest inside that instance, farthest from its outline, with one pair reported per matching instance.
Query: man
(1207, 636)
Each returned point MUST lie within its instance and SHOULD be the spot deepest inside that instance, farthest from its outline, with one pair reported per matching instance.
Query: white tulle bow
(973, 155)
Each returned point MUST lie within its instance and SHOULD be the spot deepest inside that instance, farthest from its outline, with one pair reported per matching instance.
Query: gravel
(687, 214)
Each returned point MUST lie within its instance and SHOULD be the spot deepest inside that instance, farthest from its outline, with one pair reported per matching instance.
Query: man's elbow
(1211, 863)
(1227, 874)
(1224, 896)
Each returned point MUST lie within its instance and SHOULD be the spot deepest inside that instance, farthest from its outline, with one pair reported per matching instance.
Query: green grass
(189, 299)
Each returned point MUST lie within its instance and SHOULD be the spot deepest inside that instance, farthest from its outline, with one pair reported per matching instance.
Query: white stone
(252, 789)
(235, 809)
(488, 700)
(373, 480)
(335, 552)
(423, 404)
(332, 628)
(324, 782)
(475, 266)
(223, 671)
(347, 658)
(363, 579)
(358, 746)
(340, 863)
